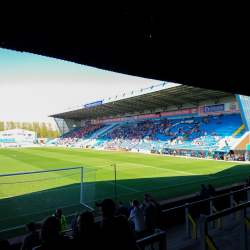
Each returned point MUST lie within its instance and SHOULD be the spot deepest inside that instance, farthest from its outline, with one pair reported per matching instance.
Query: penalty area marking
(8, 157)
(158, 168)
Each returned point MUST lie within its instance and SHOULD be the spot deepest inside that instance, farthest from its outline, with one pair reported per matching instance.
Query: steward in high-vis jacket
(61, 218)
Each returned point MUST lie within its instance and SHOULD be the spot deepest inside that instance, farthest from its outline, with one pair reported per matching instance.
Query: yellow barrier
(185, 136)
(236, 204)
(210, 243)
(219, 219)
(247, 222)
(194, 226)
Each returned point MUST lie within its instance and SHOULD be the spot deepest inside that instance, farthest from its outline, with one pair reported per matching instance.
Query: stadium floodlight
(32, 196)
(74, 125)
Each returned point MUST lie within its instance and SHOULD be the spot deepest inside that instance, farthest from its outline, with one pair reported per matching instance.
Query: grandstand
(160, 118)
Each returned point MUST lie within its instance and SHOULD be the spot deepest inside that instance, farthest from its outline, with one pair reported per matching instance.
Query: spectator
(4, 245)
(248, 181)
(50, 236)
(246, 184)
(204, 193)
(137, 216)
(86, 237)
(123, 209)
(159, 218)
(131, 207)
(117, 233)
(31, 240)
(211, 190)
(58, 214)
(142, 204)
(150, 216)
(74, 225)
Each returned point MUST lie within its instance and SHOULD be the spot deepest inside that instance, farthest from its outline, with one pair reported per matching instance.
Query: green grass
(163, 176)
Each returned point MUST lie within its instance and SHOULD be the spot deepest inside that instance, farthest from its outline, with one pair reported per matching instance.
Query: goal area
(32, 196)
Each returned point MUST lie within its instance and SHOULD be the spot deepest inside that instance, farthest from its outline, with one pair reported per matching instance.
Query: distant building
(17, 136)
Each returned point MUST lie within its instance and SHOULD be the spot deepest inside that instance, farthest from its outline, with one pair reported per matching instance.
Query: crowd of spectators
(119, 228)
(206, 192)
(119, 143)
(237, 157)
(76, 135)
(141, 129)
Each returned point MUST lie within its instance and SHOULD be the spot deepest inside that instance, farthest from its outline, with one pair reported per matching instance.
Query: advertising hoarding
(180, 112)
(128, 118)
(111, 120)
(92, 104)
(221, 108)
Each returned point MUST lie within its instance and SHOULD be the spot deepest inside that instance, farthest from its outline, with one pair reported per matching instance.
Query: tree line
(44, 130)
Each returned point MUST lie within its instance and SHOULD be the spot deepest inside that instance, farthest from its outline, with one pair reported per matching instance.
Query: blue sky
(33, 86)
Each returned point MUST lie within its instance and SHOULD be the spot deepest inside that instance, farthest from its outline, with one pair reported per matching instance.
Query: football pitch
(25, 198)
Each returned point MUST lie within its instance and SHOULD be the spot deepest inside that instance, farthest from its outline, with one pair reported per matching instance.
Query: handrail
(156, 237)
(203, 201)
(205, 219)
(219, 220)
(227, 211)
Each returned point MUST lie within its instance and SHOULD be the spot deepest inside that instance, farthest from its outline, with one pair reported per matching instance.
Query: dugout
(237, 152)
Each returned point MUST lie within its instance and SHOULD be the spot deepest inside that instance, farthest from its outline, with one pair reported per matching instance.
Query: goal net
(32, 196)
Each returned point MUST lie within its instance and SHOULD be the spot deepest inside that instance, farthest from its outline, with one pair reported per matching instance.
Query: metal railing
(188, 217)
(158, 236)
(205, 239)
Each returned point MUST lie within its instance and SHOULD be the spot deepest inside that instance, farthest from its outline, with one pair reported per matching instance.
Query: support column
(203, 232)
(243, 230)
(187, 222)
(212, 223)
(231, 205)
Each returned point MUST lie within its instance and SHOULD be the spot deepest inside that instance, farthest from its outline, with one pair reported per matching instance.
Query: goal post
(32, 196)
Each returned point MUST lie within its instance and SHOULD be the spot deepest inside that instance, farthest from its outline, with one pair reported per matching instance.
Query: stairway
(185, 136)
(238, 130)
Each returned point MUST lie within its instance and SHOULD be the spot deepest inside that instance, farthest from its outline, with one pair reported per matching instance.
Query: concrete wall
(243, 143)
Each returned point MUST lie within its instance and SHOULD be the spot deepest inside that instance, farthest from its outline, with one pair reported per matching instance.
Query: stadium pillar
(115, 187)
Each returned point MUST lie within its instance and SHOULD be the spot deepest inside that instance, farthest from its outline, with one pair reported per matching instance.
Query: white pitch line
(8, 157)
(122, 186)
(109, 165)
(159, 168)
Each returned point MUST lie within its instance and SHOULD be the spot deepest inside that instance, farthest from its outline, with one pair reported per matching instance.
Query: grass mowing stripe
(158, 168)
(165, 183)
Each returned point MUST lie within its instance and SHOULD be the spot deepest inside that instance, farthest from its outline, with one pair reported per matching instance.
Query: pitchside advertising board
(220, 108)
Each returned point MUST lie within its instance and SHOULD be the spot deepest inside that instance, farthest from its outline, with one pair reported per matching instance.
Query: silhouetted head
(85, 220)
(51, 227)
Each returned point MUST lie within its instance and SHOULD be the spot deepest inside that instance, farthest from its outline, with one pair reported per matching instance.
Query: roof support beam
(162, 103)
